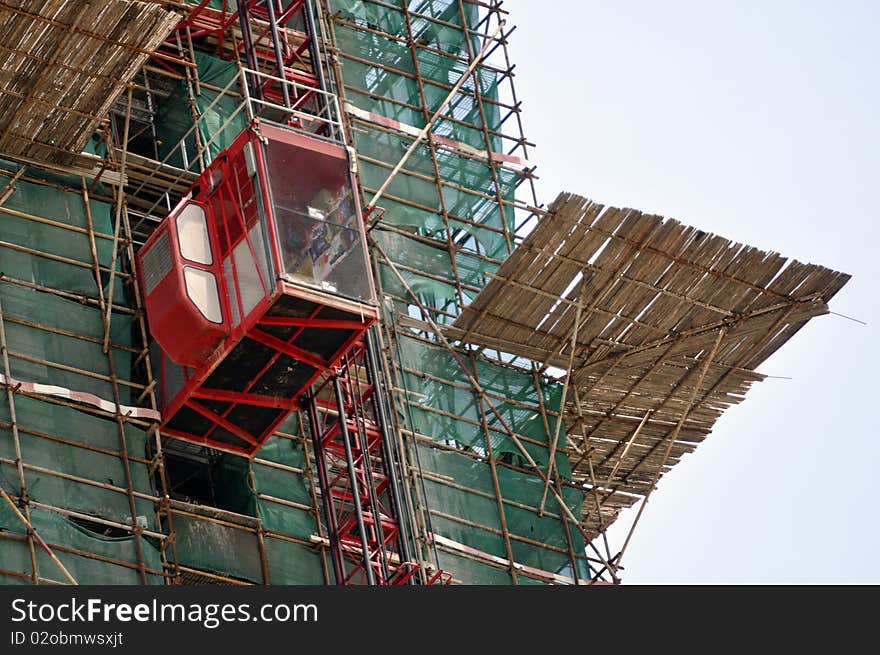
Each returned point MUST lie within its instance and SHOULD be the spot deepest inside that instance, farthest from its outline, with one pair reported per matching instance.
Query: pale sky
(757, 121)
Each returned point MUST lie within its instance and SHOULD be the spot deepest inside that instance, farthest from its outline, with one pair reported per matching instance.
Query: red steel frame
(194, 390)
(361, 501)
(204, 21)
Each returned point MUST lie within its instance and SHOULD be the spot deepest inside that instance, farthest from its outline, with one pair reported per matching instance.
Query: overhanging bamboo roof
(63, 63)
(668, 324)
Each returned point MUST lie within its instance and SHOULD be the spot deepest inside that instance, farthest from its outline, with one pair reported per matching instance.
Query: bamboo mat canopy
(63, 64)
(658, 326)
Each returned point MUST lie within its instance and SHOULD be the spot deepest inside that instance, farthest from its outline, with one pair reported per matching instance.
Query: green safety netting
(209, 546)
(57, 529)
(80, 348)
(437, 385)
(466, 510)
(48, 337)
(212, 546)
(469, 571)
(293, 563)
(231, 551)
(41, 425)
(94, 146)
(479, 507)
(475, 221)
(76, 456)
(437, 388)
(388, 82)
(442, 405)
(285, 485)
(174, 117)
(57, 243)
(434, 272)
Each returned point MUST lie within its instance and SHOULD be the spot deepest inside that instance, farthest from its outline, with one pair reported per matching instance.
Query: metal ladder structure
(275, 39)
(360, 473)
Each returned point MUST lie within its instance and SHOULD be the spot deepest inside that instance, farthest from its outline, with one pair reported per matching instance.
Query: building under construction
(279, 304)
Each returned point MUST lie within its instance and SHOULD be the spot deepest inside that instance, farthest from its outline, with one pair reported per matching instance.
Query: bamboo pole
(484, 127)
(450, 246)
(585, 438)
(551, 465)
(154, 447)
(31, 530)
(430, 124)
(478, 389)
(9, 189)
(120, 199)
(499, 498)
(16, 440)
(684, 415)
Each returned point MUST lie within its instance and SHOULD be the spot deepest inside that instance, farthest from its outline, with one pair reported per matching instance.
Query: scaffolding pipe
(321, 465)
(309, 12)
(279, 56)
(355, 493)
(247, 40)
(393, 467)
(360, 421)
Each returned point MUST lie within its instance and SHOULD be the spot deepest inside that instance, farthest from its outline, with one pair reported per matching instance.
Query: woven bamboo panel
(657, 299)
(63, 63)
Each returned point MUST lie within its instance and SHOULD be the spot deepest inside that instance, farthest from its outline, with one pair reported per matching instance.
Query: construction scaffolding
(658, 326)
(533, 372)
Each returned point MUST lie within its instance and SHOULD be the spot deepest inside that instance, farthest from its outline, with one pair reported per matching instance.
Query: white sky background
(757, 121)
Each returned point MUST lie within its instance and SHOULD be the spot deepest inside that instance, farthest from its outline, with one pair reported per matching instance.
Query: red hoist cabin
(255, 284)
